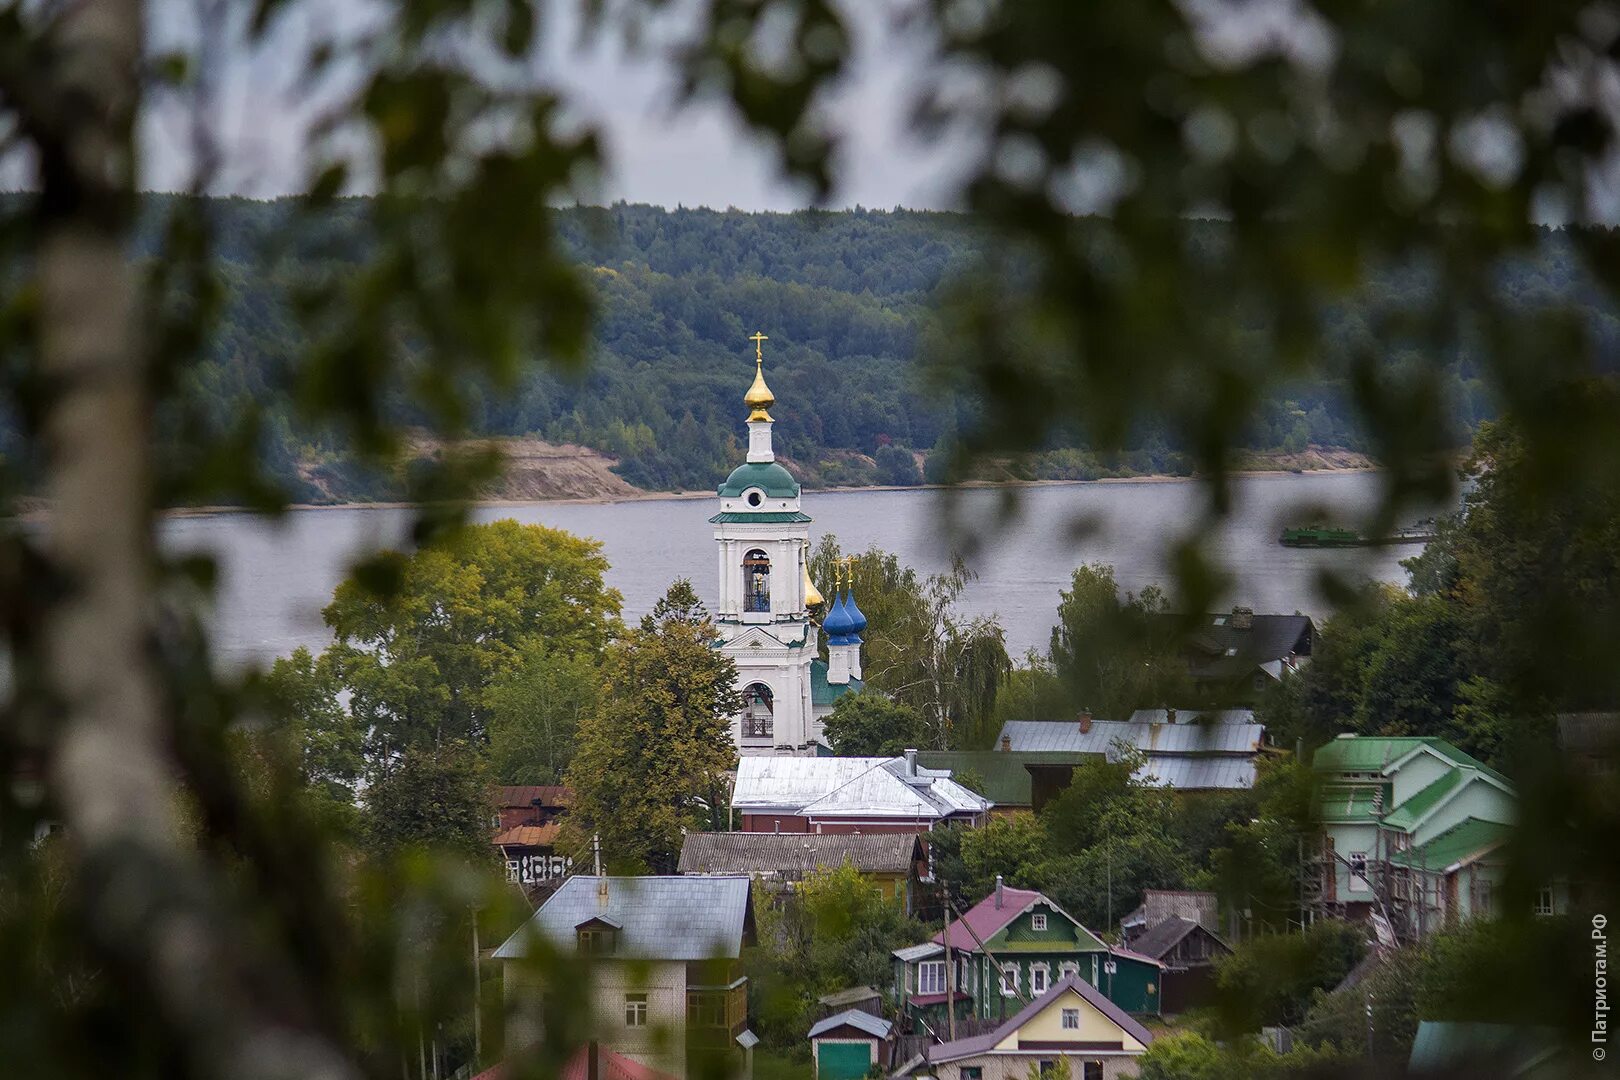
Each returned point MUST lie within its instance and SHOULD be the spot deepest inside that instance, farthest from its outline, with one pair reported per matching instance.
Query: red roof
(610, 1066)
(985, 918)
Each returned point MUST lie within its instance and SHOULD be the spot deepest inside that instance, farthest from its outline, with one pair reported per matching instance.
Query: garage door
(844, 1061)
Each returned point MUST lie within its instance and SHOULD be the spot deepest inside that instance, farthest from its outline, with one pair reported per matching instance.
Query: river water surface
(276, 575)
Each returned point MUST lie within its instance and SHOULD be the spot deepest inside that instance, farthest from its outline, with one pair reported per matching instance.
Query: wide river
(275, 575)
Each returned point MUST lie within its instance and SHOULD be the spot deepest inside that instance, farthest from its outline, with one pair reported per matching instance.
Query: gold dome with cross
(759, 397)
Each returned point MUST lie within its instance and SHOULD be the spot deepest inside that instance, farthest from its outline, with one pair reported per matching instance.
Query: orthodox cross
(759, 340)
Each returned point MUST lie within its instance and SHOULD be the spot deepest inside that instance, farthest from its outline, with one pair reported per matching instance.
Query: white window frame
(1071, 1019)
(1359, 882)
(931, 977)
(635, 1010)
(1067, 968)
(1546, 901)
(1010, 978)
(1040, 978)
(1037, 923)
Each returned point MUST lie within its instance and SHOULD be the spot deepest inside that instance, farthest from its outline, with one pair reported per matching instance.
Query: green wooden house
(1006, 951)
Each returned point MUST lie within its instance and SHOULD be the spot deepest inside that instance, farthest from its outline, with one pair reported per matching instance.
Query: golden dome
(812, 595)
(759, 396)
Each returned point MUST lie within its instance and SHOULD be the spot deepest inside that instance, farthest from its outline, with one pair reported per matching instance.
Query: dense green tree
(920, 650)
(835, 930)
(868, 724)
(897, 467)
(430, 797)
(1109, 652)
(304, 693)
(535, 708)
(419, 657)
(652, 757)
(1270, 978)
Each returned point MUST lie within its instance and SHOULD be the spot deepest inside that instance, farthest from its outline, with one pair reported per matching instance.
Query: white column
(759, 441)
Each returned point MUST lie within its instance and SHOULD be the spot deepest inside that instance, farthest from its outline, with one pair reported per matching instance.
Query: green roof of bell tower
(768, 476)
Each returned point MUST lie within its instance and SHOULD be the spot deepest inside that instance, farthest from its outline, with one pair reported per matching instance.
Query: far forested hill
(847, 298)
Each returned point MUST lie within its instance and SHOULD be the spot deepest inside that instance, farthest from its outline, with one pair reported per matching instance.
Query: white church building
(768, 606)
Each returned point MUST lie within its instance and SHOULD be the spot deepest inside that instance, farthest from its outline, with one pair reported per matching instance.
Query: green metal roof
(1371, 753)
(823, 692)
(1410, 812)
(1467, 837)
(1343, 805)
(775, 481)
(765, 517)
(1006, 779)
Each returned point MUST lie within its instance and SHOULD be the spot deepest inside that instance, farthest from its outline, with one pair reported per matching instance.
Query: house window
(595, 942)
(1358, 872)
(635, 1010)
(1068, 968)
(931, 977)
(1037, 923)
(1009, 980)
(1091, 1070)
(1071, 1019)
(1544, 901)
(758, 710)
(706, 1009)
(756, 581)
(1038, 974)
(1048, 1067)
(972, 1072)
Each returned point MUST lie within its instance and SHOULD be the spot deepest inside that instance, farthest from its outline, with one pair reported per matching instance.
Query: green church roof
(775, 481)
(768, 517)
(823, 692)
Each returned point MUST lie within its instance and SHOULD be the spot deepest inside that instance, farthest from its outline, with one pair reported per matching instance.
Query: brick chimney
(1085, 721)
(1169, 716)
(1242, 618)
(1006, 744)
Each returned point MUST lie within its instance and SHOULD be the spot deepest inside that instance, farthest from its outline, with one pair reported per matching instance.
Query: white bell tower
(764, 612)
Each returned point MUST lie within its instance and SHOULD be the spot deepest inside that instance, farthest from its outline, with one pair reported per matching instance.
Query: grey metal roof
(855, 1018)
(1197, 774)
(797, 853)
(660, 918)
(918, 952)
(850, 787)
(1105, 736)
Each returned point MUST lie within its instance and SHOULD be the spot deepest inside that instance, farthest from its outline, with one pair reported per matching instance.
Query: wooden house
(1072, 1022)
(895, 862)
(849, 1044)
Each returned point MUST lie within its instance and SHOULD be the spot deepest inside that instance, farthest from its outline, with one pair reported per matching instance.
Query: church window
(757, 712)
(757, 581)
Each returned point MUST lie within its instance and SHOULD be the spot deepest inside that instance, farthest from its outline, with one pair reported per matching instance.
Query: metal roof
(659, 918)
(850, 787)
(855, 1018)
(1006, 776)
(1465, 841)
(1105, 736)
(1197, 774)
(798, 853)
(918, 952)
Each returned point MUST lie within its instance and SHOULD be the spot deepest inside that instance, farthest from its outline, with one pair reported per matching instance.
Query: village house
(1071, 1021)
(894, 862)
(663, 958)
(1005, 951)
(526, 825)
(1160, 904)
(1235, 656)
(849, 1044)
(850, 795)
(1413, 828)
(1188, 950)
(1183, 749)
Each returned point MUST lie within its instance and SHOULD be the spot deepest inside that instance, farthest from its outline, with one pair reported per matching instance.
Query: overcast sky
(696, 156)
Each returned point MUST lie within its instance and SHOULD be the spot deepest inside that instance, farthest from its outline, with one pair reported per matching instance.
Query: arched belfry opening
(758, 712)
(756, 581)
